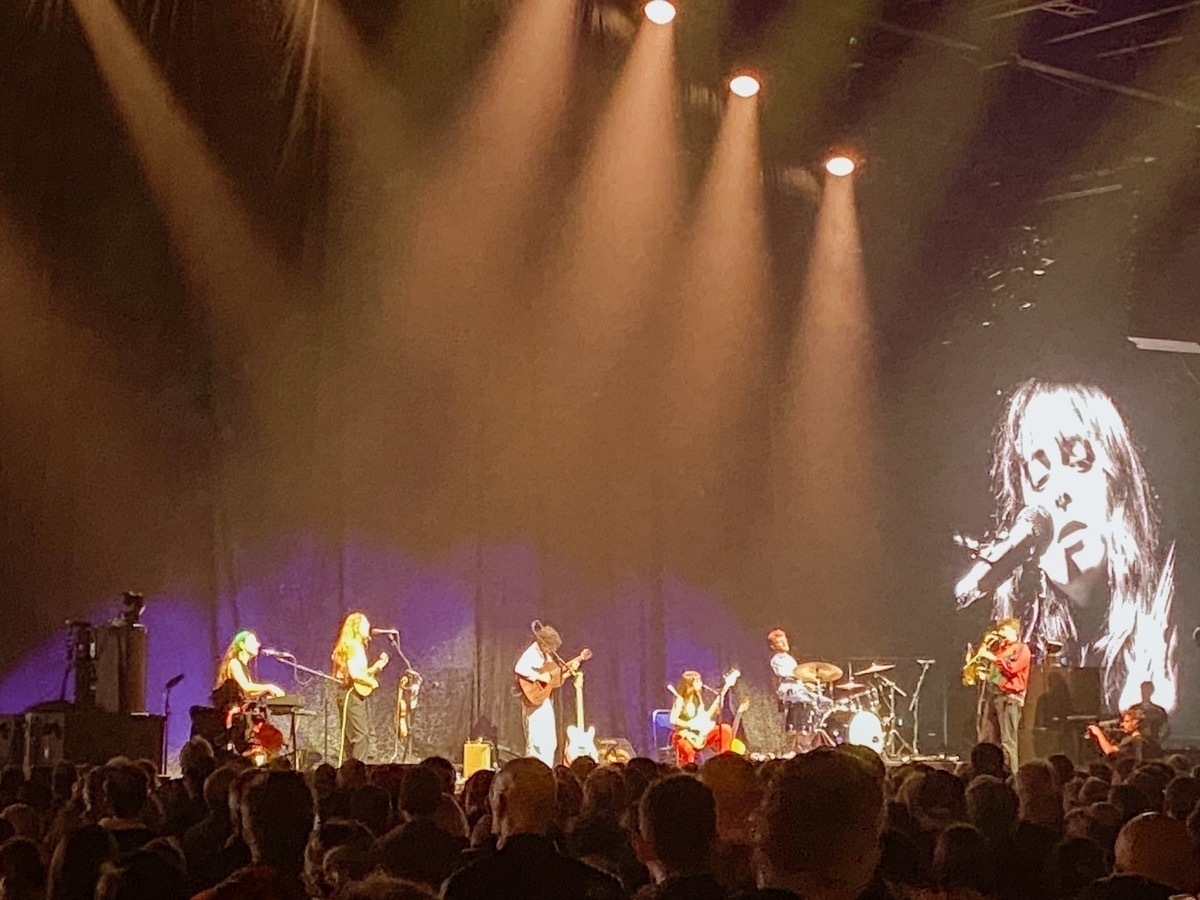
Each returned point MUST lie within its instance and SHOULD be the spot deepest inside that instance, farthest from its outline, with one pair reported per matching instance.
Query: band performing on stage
(819, 705)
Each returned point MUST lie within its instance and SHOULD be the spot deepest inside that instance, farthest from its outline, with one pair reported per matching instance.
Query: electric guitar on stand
(581, 741)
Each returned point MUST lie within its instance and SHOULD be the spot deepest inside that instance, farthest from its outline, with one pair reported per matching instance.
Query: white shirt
(530, 662)
(784, 666)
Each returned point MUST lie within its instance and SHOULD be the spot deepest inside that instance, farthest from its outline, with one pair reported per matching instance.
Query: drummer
(798, 699)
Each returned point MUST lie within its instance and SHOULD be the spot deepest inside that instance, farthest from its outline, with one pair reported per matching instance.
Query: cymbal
(875, 669)
(817, 671)
(849, 686)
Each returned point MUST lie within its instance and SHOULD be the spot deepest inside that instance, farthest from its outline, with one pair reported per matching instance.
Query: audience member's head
(325, 837)
(1093, 790)
(1073, 864)
(819, 825)
(143, 875)
(736, 791)
(384, 887)
(1130, 801)
(444, 769)
(372, 806)
(991, 806)
(24, 821)
(75, 865)
(1181, 796)
(988, 759)
(1039, 795)
(475, 795)
(421, 793)
(1062, 766)
(352, 775)
(196, 763)
(677, 827)
(125, 788)
(940, 798)
(347, 864)
(22, 873)
(523, 799)
(216, 791)
(962, 859)
(418, 852)
(1157, 847)
(569, 796)
(277, 817)
(604, 792)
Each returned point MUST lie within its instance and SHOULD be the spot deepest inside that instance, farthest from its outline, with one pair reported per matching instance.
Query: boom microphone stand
(914, 705)
(413, 687)
(288, 659)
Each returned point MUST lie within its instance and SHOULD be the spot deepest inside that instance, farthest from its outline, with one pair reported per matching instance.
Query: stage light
(660, 12)
(840, 166)
(744, 85)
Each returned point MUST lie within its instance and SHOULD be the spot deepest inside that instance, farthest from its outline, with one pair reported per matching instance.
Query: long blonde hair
(236, 646)
(348, 637)
(1139, 638)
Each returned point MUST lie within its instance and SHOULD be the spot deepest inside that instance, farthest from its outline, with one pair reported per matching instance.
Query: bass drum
(859, 727)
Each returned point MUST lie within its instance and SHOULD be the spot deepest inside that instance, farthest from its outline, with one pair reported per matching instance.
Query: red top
(1013, 661)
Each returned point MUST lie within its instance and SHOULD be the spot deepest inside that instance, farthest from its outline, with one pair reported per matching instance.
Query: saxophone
(976, 665)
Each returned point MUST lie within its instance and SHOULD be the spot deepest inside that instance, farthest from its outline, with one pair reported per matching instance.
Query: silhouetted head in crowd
(125, 788)
(988, 759)
(523, 799)
(24, 820)
(216, 790)
(604, 792)
(196, 763)
(143, 875)
(75, 865)
(963, 859)
(325, 837)
(347, 864)
(421, 793)
(372, 806)
(22, 873)
(992, 807)
(62, 782)
(444, 769)
(1130, 800)
(277, 817)
(352, 775)
(1039, 795)
(677, 827)
(1159, 848)
(736, 791)
(1073, 864)
(818, 827)
(384, 887)
(475, 795)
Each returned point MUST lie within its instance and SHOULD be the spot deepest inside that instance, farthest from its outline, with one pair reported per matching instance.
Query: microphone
(174, 681)
(269, 651)
(392, 631)
(926, 662)
(1029, 537)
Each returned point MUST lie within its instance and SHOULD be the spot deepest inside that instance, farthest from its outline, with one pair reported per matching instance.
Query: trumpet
(976, 664)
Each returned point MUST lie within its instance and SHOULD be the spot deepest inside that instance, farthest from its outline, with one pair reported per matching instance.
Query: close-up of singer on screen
(1081, 563)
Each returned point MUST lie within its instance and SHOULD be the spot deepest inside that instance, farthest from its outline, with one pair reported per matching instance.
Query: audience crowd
(828, 825)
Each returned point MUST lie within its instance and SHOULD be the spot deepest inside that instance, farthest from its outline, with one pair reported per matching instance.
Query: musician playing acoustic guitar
(358, 678)
(696, 726)
(539, 671)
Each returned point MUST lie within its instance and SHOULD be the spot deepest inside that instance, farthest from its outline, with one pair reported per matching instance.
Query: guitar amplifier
(90, 736)
(477, 755)
(615, 750)
(12, 740)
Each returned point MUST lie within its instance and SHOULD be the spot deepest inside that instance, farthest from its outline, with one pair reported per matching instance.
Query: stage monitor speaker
(90, 736)
(615, 750)
(477, 755)
(1059, 702)
(12, 740)
(121, 652)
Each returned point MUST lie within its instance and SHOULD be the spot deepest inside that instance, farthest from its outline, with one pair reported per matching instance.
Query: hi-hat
(820, 672)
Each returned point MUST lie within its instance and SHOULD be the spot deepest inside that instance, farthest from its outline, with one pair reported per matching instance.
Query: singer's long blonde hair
(348, 638)
(1139, 638)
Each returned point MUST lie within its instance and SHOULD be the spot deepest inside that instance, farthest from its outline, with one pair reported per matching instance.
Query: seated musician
(234, 686)
(695, 725)
(794, 696)
(1134, 743)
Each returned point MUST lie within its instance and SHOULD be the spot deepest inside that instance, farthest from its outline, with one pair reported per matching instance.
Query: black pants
(356, 727)
(999, 719)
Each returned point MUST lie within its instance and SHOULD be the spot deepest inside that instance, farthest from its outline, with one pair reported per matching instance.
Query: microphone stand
(914, 705)
(297, 667)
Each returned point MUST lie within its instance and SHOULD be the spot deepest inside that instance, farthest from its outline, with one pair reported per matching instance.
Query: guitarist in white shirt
(696, 726)
(537, 664)
(350, 667)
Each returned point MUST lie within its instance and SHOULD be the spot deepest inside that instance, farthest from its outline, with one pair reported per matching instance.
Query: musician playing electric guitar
(351, 669)
(539, 672)
(696, 726)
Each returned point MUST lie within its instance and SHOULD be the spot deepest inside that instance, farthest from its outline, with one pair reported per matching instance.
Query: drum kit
(860, 710)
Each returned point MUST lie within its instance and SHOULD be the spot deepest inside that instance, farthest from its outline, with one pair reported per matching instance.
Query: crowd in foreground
(829, 825)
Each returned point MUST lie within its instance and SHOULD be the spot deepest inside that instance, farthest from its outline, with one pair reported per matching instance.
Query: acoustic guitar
(534, 692)
(701, 725)
(364, 687)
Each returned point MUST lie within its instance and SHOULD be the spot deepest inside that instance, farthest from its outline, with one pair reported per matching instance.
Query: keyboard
(284, 704)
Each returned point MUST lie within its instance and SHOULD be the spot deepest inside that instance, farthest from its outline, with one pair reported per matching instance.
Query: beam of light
(840, 166)
(718, 346)
(744, 85)
(826, 459)
(660, 12)
(234, 272)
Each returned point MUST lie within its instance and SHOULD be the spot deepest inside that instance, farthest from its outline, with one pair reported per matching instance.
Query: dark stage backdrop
(399, 434)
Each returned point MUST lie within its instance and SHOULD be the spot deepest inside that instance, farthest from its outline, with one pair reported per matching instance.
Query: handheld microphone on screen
(1028, 539)
(535, 626)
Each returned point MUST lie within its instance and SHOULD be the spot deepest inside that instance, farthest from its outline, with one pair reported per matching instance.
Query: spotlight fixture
(841, 166)
(660, 12)
(744, 85)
